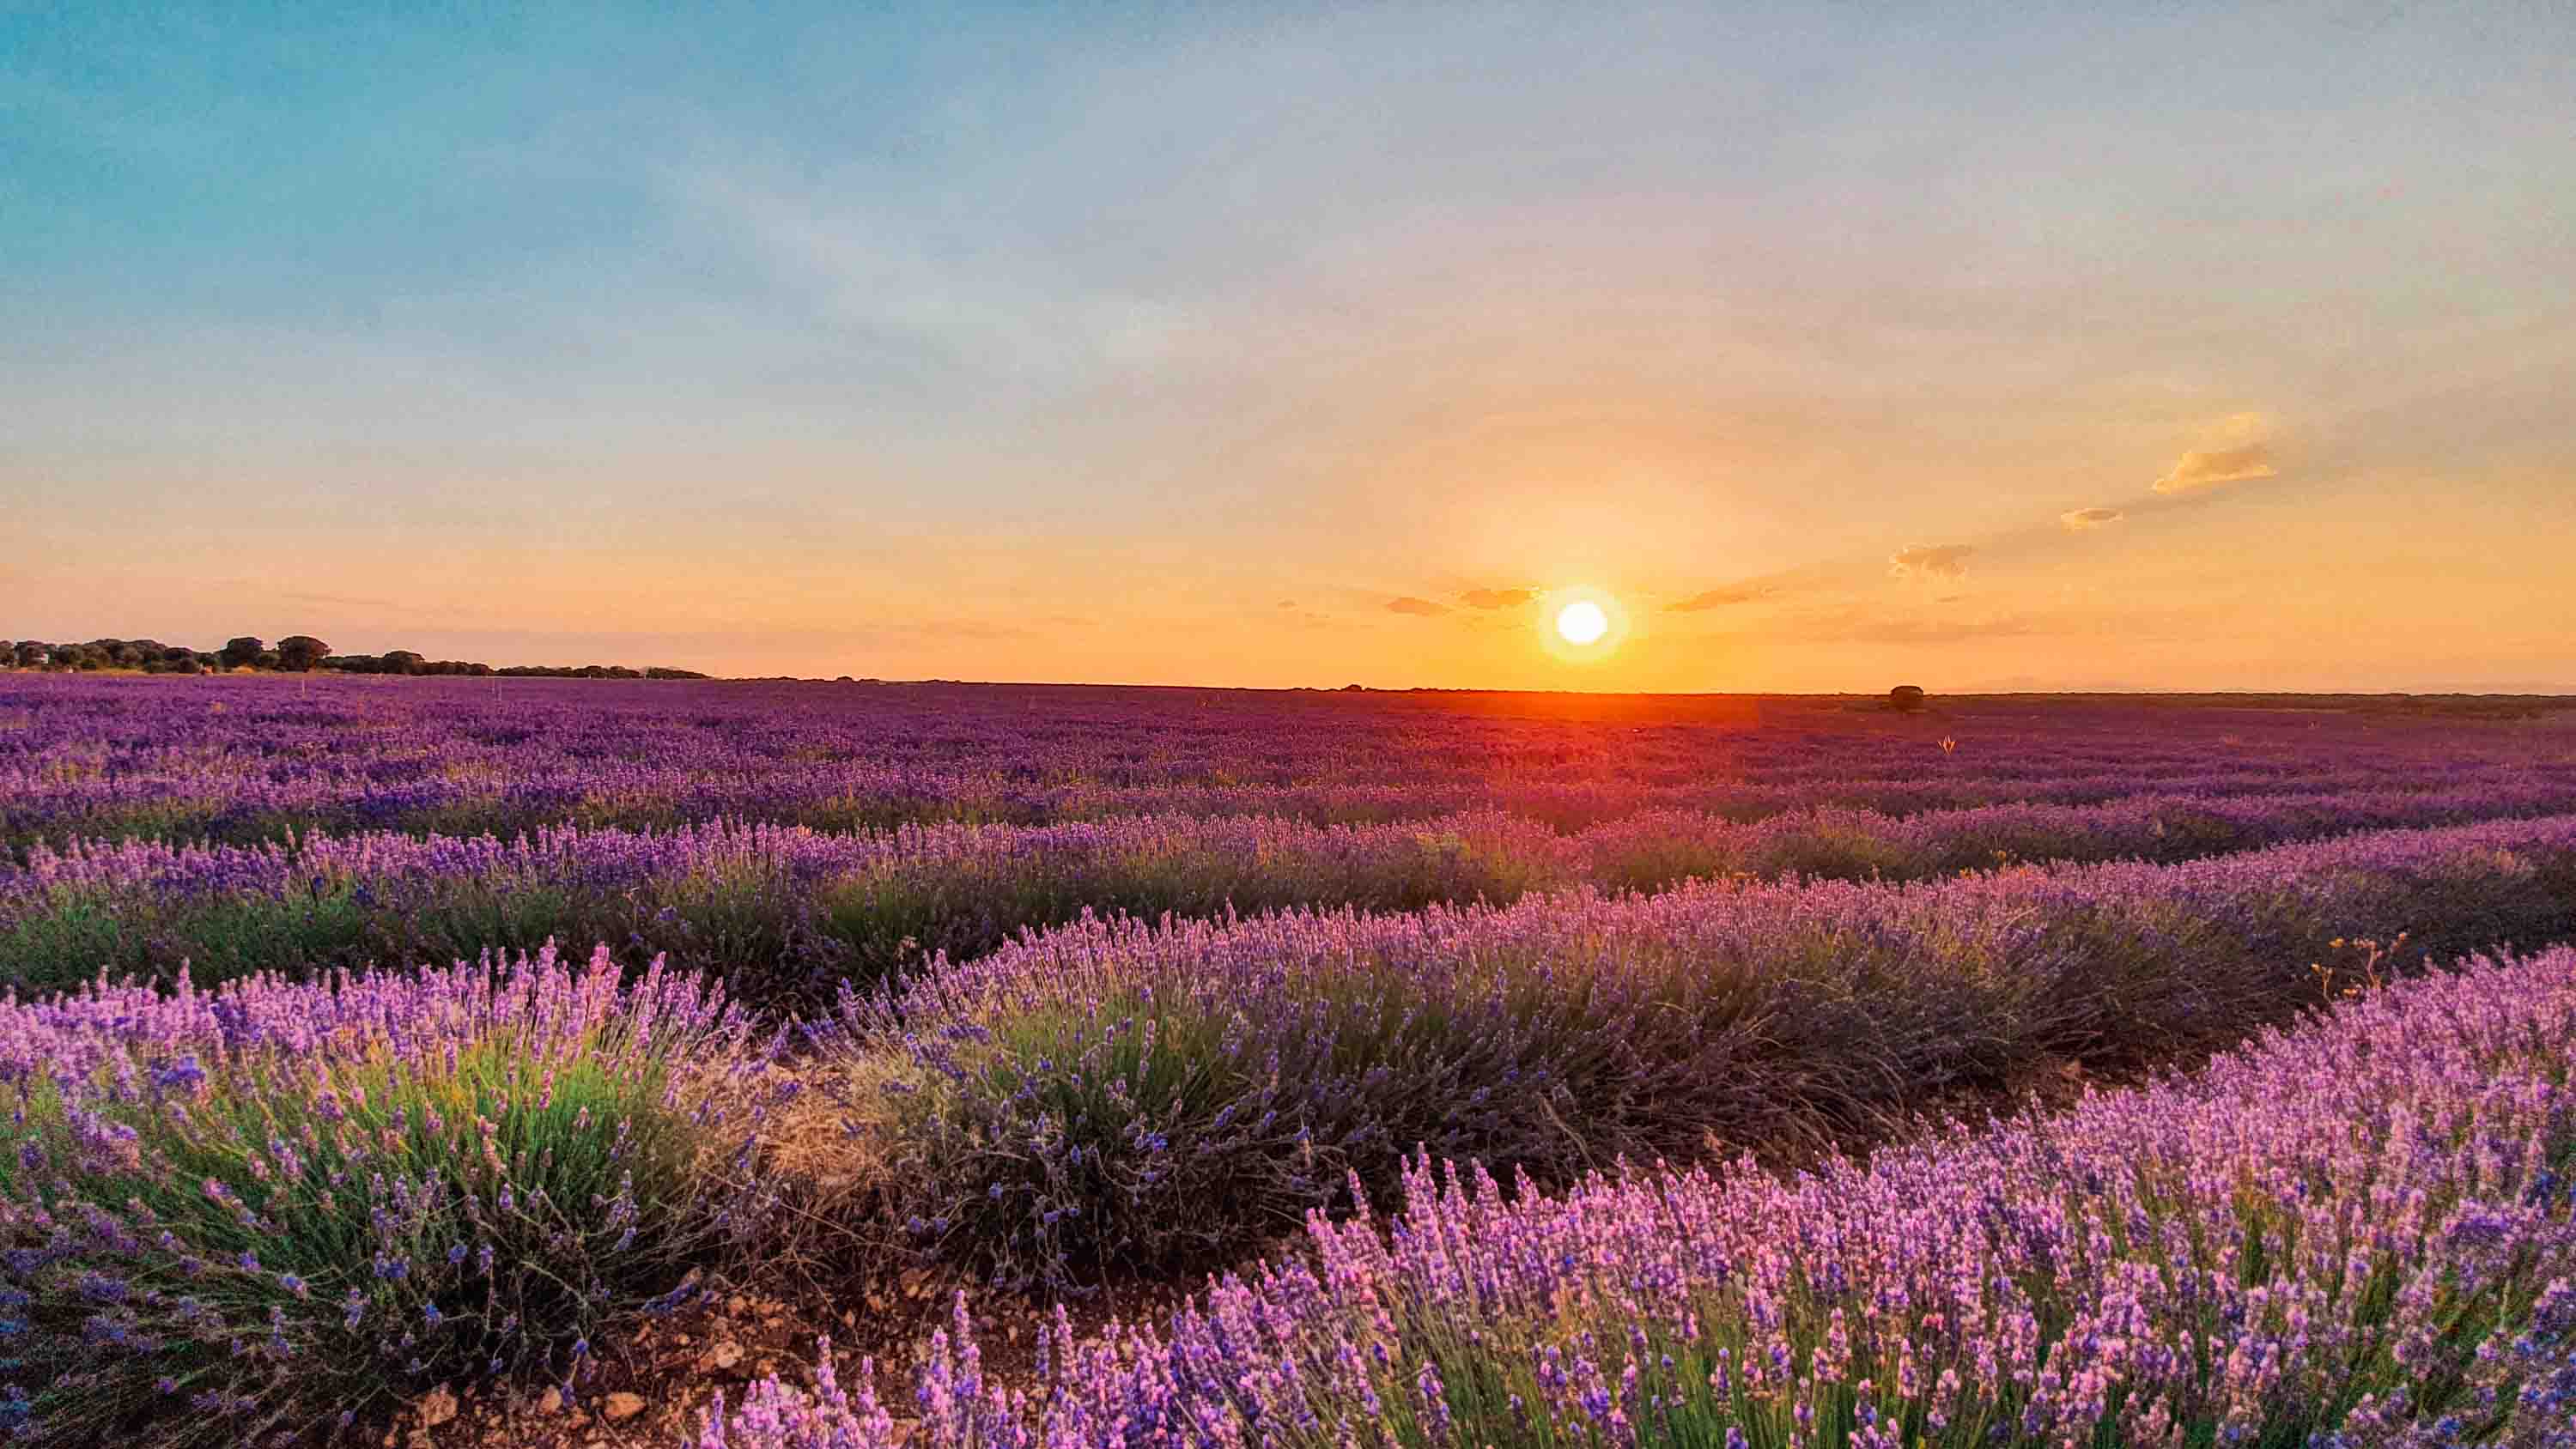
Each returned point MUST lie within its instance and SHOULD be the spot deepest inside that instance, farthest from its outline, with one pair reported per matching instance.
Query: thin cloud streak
(1930, 561)
(2196, 472)
(1719, 598)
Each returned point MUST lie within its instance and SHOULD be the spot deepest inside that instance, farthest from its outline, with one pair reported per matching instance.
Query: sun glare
(1582, 624)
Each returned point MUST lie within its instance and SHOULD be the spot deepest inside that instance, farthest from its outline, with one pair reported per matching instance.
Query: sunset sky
(1833, 346)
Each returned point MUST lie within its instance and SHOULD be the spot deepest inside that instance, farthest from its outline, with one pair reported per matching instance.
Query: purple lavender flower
(2227, 1248)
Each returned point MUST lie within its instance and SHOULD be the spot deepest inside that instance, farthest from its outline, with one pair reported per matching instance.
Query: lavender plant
(250, 1213)
(2359, 1233)
(784, 912)
(1117, 1094)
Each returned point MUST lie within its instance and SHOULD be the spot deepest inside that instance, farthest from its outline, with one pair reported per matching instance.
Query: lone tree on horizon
(1906, 697)
(242, 652)
(300, 652)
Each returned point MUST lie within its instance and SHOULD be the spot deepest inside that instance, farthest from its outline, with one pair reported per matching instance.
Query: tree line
(294, 654)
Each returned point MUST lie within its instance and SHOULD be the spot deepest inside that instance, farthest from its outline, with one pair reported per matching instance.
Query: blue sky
(1179, 343)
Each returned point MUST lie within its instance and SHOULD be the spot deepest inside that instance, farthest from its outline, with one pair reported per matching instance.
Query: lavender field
(1527, 1069)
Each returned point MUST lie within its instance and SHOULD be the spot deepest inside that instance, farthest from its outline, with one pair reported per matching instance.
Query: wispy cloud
(2196, 471)
(2085, 520)
(1720, 598)
(892, 282)
(1411, 605)
(1498, 598)
(1930, 561)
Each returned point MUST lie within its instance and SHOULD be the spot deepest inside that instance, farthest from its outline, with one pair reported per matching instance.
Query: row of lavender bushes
(53, 804)
(2355, 1234)
(785, 913)
(1114, 1094)
(246, 1215)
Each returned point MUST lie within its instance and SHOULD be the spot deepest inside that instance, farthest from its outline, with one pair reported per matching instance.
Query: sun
(1582, 624)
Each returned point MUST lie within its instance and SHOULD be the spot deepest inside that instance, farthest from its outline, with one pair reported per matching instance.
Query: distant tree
(173, 653)
(242, 652)
(400, 661)
(185, 664)
(1905, 697)
(300, 652)
(267, 660)
(479, 670)
(8, 653)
